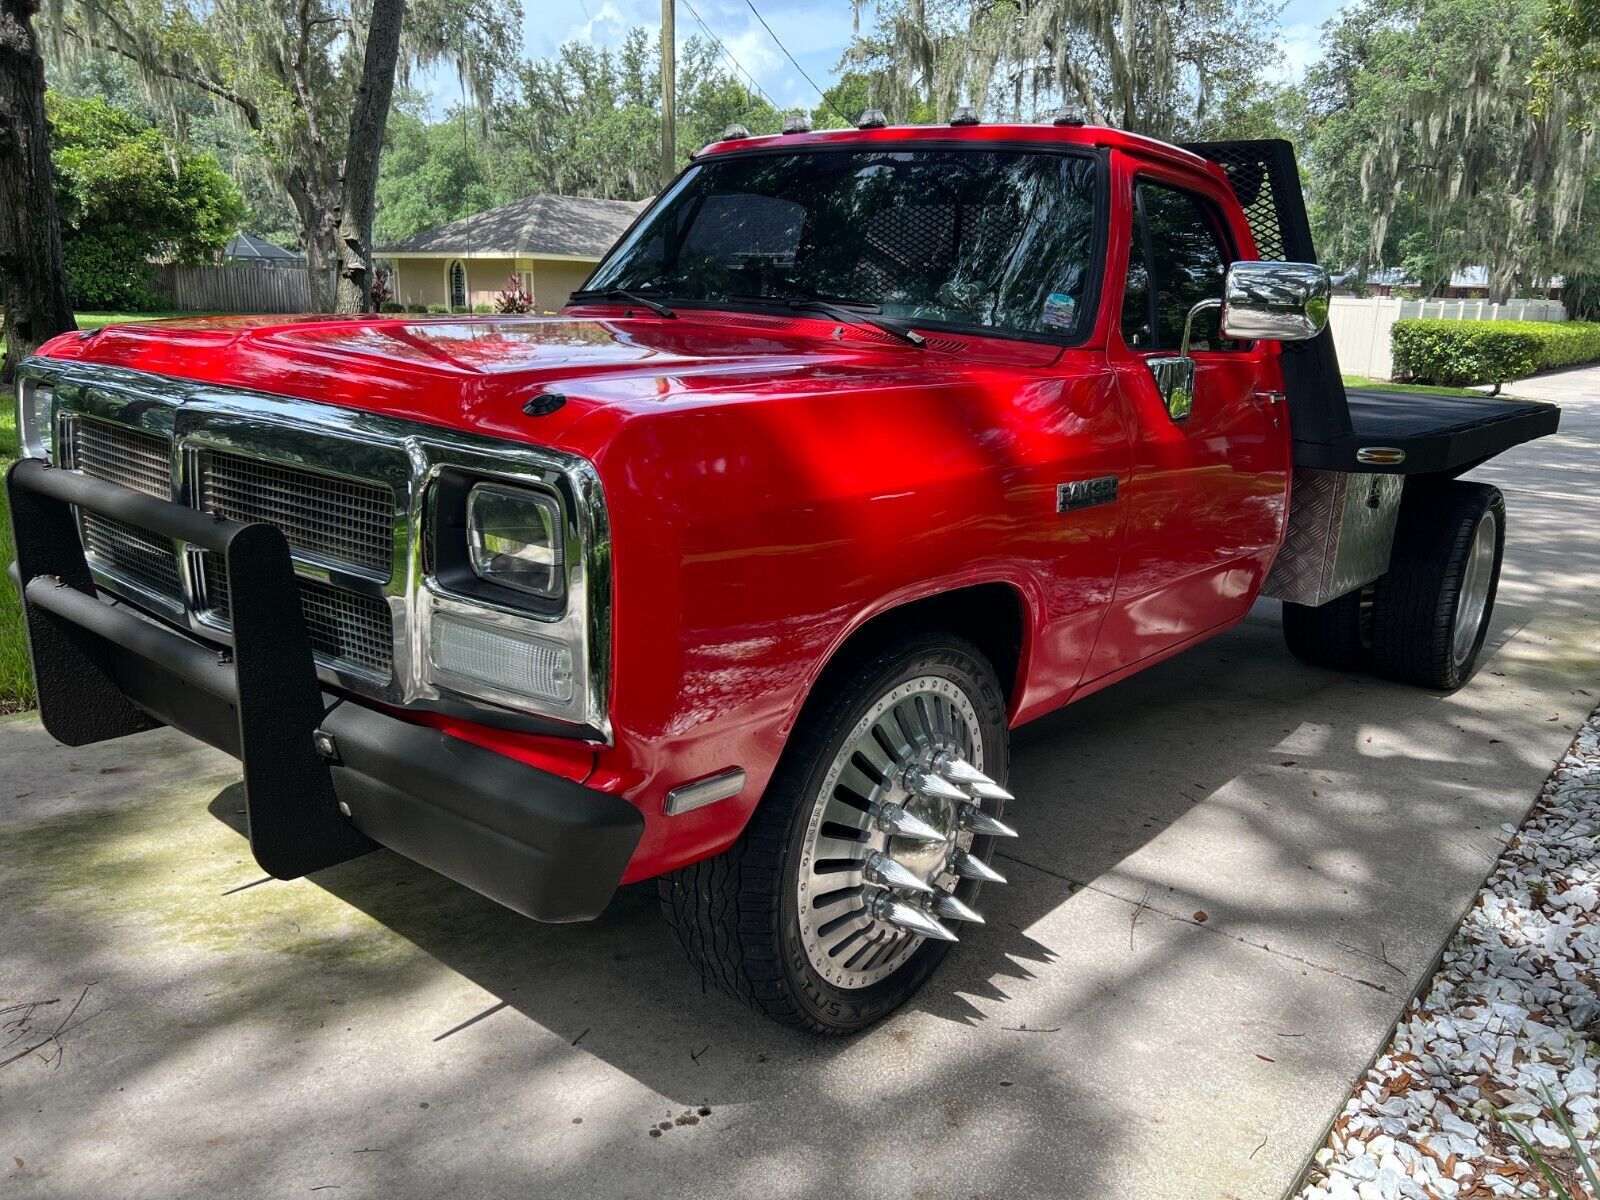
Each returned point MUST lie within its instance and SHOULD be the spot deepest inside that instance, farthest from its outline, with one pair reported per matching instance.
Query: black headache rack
(1359, 430)
(326, 780)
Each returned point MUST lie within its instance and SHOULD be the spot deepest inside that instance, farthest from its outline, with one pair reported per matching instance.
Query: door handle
(1270, 402)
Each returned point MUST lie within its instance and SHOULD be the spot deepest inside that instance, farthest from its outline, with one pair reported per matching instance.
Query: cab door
(1208, 492)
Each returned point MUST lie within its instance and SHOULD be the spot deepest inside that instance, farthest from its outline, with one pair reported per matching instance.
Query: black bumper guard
(537, 842)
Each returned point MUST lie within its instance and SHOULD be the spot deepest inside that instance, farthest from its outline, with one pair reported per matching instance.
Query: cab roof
(1091, 136)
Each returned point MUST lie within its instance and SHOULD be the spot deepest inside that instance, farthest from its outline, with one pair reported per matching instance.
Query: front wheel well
(989, 615)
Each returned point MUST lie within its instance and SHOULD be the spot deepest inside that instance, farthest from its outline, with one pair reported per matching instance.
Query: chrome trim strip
(690, 796)
(372, 447)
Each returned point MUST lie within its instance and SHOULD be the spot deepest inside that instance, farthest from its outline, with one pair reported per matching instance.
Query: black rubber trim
(538, 843)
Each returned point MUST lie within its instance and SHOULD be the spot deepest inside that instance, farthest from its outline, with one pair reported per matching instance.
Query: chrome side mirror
(1261, 301)
(1275, 301)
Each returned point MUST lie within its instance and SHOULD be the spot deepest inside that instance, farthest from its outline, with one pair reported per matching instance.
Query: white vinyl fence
(1361, 324)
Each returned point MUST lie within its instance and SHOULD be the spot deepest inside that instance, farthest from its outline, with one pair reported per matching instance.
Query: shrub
(1459, 353)
(126, 196)
(417, 308)
(438, 308)
(389, 306)
(514, 298)
(483, 308)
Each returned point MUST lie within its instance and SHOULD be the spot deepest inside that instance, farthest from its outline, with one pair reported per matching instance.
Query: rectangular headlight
(514, 539)
(505, 659)
(34, 427)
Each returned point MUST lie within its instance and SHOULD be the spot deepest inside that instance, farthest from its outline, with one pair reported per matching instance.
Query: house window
(458, 285)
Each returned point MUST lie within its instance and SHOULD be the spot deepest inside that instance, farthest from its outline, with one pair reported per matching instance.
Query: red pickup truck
(858, 450)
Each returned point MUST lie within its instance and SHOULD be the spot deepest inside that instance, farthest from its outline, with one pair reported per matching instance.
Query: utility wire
(797, 65)
(728, 54)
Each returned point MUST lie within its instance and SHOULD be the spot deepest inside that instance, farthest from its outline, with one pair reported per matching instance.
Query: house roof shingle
(534, 225)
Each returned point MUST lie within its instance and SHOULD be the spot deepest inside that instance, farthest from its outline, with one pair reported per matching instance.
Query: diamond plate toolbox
(1341, 529)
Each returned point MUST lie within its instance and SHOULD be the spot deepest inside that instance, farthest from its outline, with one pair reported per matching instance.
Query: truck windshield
(1000, 240)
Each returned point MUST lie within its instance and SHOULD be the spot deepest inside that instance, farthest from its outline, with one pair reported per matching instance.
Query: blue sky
(815, 32)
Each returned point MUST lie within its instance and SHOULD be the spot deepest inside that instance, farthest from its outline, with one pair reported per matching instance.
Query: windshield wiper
(851, 312)
(616, 293)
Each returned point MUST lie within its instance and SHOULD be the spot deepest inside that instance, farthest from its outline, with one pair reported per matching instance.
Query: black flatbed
(1436, 434)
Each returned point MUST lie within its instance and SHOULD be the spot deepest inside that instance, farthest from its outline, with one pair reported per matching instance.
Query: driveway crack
(1146, 905)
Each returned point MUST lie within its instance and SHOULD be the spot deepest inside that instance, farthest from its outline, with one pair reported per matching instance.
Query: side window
(1188, 257)
(1136, 313)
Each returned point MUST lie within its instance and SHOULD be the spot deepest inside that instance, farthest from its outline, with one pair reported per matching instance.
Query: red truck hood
(477, 373)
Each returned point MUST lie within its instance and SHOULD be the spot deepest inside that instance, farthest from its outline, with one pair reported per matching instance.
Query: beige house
(551, 242)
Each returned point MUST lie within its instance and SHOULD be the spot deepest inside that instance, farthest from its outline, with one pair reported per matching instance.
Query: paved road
(383, 1032)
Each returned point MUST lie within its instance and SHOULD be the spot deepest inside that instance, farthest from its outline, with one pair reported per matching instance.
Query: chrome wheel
(890, 834)
(1473, 602)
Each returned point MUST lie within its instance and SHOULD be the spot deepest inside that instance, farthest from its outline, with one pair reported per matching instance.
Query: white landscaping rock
(1513, 1011)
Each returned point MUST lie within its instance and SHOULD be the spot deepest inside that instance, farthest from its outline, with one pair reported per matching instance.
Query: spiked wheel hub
(890, 835)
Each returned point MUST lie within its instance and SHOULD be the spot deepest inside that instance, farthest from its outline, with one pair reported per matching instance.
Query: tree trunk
(33, 279)
(358, 204)
(318, 222)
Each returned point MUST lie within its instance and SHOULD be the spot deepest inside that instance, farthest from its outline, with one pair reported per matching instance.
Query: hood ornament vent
(544, 404)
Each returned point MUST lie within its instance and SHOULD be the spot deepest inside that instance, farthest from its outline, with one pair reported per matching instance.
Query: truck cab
(858, 450)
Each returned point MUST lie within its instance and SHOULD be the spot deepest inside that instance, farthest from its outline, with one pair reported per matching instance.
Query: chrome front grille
(346, 628)
(135, 459)
(335, 520)
(133, 555)
(326, 518)
(141, 461)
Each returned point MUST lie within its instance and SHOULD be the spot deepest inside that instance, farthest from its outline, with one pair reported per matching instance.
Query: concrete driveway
(1233, 872)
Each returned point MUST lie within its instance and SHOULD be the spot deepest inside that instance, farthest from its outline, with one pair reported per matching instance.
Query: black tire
(1336, 635)
(737, 914)
(1417, 601)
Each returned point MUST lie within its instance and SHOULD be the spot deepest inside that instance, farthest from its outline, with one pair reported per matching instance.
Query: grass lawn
(1383, 385)
(16, 681)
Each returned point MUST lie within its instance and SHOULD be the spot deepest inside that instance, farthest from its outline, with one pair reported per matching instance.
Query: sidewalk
(1234, 870)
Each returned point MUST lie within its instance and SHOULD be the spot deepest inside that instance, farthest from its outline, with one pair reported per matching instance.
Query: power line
(728, 54)
(797, 65)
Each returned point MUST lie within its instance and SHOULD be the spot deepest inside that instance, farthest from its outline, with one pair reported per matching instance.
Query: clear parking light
(507, 660)
(33, 420)
(514, 538)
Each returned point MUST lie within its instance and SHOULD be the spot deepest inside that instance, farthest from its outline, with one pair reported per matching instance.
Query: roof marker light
(734, 132)
(966, 115)
(1069, 114)
(872, 118)
(797, 123)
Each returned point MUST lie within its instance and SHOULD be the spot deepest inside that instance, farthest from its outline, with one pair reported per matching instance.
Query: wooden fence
(235, 289)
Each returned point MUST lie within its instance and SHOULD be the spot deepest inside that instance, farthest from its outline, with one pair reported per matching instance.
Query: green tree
(588, 120)
(1428, 149)
(1150, 66)
(311, 80)
(431, 174)
(125, 197)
